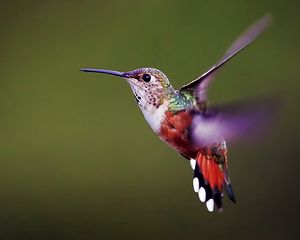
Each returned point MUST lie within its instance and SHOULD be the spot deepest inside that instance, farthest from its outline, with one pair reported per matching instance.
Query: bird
(196, 129)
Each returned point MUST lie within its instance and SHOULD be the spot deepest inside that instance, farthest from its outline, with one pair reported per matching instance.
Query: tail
(211, 176)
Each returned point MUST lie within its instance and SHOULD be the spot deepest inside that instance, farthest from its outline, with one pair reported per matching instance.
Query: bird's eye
(146, 77)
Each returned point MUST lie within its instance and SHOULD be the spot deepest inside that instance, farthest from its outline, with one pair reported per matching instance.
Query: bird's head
(150, 86)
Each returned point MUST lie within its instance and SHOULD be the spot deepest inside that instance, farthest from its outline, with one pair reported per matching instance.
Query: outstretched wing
(199, 85)
(235, 121)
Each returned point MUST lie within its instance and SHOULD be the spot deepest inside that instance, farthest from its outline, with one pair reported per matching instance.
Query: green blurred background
(77, 159)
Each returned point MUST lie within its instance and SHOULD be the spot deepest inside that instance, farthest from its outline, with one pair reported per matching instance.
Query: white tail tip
(196, 184)
(202, 194)
(210, 205)
(193, 163)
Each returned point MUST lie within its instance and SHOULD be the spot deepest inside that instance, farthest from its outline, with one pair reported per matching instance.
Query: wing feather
(235, 121)
(200, 85)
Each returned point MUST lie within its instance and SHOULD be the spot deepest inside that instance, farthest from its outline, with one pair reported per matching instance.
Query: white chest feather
(154, 116)
(149, 105)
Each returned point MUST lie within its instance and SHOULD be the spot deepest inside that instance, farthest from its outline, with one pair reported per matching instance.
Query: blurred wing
(200, 85)
(234, 121)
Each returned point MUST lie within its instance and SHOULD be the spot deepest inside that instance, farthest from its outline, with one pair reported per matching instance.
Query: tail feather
(211, 177)
(217, 196)
(230, 193)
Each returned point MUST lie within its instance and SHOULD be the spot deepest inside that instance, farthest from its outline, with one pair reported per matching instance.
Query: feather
(244, 119)
(200, 85)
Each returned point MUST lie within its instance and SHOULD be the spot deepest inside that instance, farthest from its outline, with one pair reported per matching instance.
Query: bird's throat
(155, 115)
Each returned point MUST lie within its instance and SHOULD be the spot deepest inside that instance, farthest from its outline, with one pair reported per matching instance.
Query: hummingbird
(197, 130)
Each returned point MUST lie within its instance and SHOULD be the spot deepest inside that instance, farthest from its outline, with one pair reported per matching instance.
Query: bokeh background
(78, 161)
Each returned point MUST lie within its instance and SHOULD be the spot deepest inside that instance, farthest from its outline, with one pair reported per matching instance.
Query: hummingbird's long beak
(111, 72)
